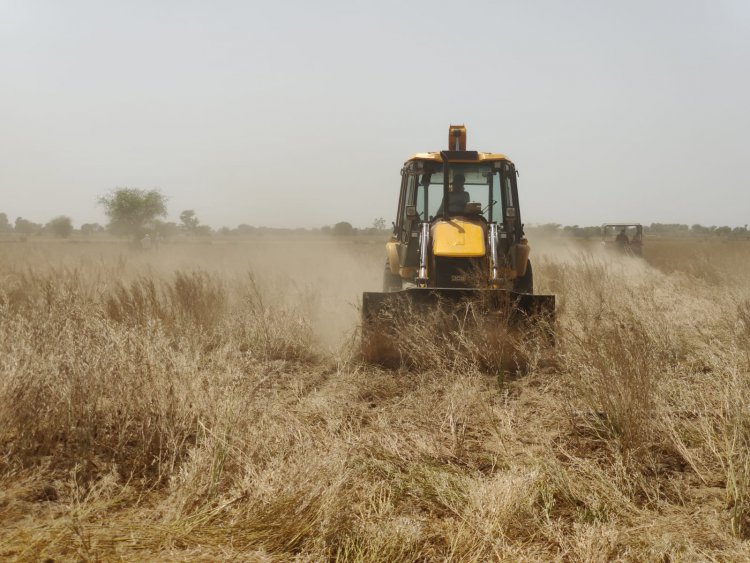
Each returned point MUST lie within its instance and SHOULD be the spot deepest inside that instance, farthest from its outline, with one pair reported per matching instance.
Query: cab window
(411, 181)
(482, 184)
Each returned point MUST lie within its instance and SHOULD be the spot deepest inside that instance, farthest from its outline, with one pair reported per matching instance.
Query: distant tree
(165, 229)
(244, 229)
(131, 210)
(667, 228)
(723, 231)
(4, 223)
(699, 229)
(25, 227)
(203, 231)
(91, 228)
(343, 229)
(189, 221)
(583, 232)
(378, 224)
(549, 227)
(326, 229)
(61, 226)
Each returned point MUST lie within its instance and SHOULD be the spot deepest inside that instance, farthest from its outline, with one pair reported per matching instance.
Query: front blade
(387, 318)
(514, 305)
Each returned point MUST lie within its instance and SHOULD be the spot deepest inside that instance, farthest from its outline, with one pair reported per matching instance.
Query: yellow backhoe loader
(457, 240)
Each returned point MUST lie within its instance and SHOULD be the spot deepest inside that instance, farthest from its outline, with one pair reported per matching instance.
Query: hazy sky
(302, 113)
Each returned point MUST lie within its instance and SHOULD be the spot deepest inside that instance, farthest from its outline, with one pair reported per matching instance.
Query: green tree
(343, 228)
(723, 231)
(61, 226)
(4, 223)
(245, 229)
(131, 210)
(165, 229)
(26, 227)
(91, 228)
(189, 221)
(202, 231)
(668, 228)
(699, 229)
(582, 232)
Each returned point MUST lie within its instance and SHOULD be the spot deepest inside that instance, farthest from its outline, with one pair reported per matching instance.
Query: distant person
(622, 240)
(457, 198)
(146, 242)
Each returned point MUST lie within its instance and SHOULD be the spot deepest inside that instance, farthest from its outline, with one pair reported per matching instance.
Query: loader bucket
(387, 317)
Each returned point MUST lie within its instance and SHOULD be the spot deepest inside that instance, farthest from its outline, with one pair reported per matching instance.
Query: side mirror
(411, 212)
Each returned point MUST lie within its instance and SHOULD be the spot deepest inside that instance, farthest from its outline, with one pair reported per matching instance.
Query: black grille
(462, 155)
(459, 272)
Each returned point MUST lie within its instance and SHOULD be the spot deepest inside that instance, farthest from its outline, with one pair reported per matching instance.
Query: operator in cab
(622, 240)
(457, 197)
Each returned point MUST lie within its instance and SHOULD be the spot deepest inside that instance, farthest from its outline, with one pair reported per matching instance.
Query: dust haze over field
(322, 277)
(207, 402)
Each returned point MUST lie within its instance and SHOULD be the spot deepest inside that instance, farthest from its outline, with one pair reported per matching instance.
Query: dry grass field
(207, 402)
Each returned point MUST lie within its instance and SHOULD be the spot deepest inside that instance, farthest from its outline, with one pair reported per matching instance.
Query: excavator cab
(480, 212)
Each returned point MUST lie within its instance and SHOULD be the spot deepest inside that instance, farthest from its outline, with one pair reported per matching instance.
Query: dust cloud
(686, 293)
(321, 279)
(318, 279)
(324, 280)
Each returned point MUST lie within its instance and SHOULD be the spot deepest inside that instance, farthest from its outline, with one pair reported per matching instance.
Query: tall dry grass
(182, 406)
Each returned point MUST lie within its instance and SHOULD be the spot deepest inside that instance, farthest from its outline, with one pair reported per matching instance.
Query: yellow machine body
(458, 238)
(391, 250)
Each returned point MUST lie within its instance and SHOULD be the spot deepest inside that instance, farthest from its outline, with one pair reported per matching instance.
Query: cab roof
(467, 156)
(604, 225)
